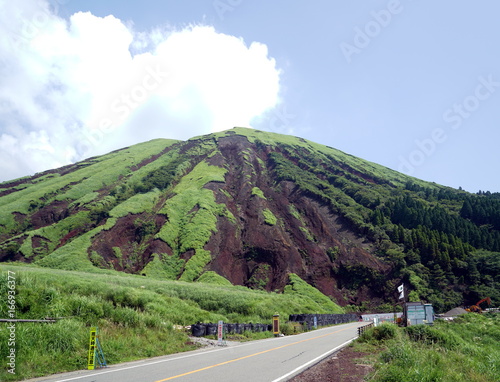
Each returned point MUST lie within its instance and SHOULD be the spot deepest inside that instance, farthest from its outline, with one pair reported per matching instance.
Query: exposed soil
(135, 253)
(307, 237)
(254, 253)
(342, 366)
(49, 214)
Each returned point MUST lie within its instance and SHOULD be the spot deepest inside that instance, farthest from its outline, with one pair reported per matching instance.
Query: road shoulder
(342, 366)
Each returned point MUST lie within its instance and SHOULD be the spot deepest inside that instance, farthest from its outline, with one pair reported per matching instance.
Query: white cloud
(74, 88)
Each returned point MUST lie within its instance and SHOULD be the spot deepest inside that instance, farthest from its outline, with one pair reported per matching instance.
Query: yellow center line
(248, 356)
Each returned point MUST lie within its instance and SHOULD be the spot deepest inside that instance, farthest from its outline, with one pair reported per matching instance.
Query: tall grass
(463, 350)
(299, 287)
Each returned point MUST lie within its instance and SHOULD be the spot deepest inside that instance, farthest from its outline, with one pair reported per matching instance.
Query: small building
(416, 313)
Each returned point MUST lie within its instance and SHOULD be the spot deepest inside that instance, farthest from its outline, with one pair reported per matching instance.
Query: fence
(306, 320)
(309, 320)
(200, 329)
(381, 317)
(363, 329)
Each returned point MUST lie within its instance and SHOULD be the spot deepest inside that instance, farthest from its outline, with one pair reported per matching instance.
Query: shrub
(383, 332)
(269, 217)
(258, 192)
(291, 328)
(431, 335)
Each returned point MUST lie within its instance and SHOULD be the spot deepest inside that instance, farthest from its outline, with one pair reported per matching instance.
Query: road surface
(270, 360)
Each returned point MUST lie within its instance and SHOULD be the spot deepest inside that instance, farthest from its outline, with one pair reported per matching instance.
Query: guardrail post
(362, 329)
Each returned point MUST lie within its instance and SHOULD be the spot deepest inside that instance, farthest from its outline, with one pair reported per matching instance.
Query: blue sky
(411, 85)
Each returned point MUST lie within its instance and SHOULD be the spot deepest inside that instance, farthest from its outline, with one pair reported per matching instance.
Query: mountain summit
(250, 208)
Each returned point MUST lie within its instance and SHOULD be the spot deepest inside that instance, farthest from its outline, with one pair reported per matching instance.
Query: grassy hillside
(135, 314)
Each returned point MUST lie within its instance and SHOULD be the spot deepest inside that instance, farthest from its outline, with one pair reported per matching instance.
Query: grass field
(466, 349)
(135, 315)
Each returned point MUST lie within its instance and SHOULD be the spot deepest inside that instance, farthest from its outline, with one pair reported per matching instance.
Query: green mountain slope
(252, 207)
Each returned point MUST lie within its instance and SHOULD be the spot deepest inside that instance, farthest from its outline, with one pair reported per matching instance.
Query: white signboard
(220, 332)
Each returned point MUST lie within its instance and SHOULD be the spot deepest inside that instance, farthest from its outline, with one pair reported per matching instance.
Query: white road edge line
(324, 355)
(135, 366)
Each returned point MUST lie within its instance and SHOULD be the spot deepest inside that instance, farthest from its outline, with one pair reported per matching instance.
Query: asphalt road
(270, 360)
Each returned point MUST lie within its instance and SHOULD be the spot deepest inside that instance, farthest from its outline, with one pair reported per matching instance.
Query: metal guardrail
(201, 329)
(313, 320)
(363, 329)
(309, 321)
(47, 320)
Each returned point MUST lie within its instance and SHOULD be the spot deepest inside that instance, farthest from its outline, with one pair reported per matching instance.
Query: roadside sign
(276, 324)
(220, 333)
(92, 346)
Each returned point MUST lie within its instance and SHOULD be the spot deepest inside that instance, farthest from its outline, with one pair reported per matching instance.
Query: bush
(269, 217)
(286, 328)
(431, 335)
(291, 328)
(383, 332)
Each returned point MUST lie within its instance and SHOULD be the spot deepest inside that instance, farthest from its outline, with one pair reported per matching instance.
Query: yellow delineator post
(276, 324)
(92, 346)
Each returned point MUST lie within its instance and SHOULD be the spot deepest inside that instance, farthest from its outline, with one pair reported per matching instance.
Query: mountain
(253, 207)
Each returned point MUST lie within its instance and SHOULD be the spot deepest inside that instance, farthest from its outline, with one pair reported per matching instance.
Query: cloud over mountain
(77, 87)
